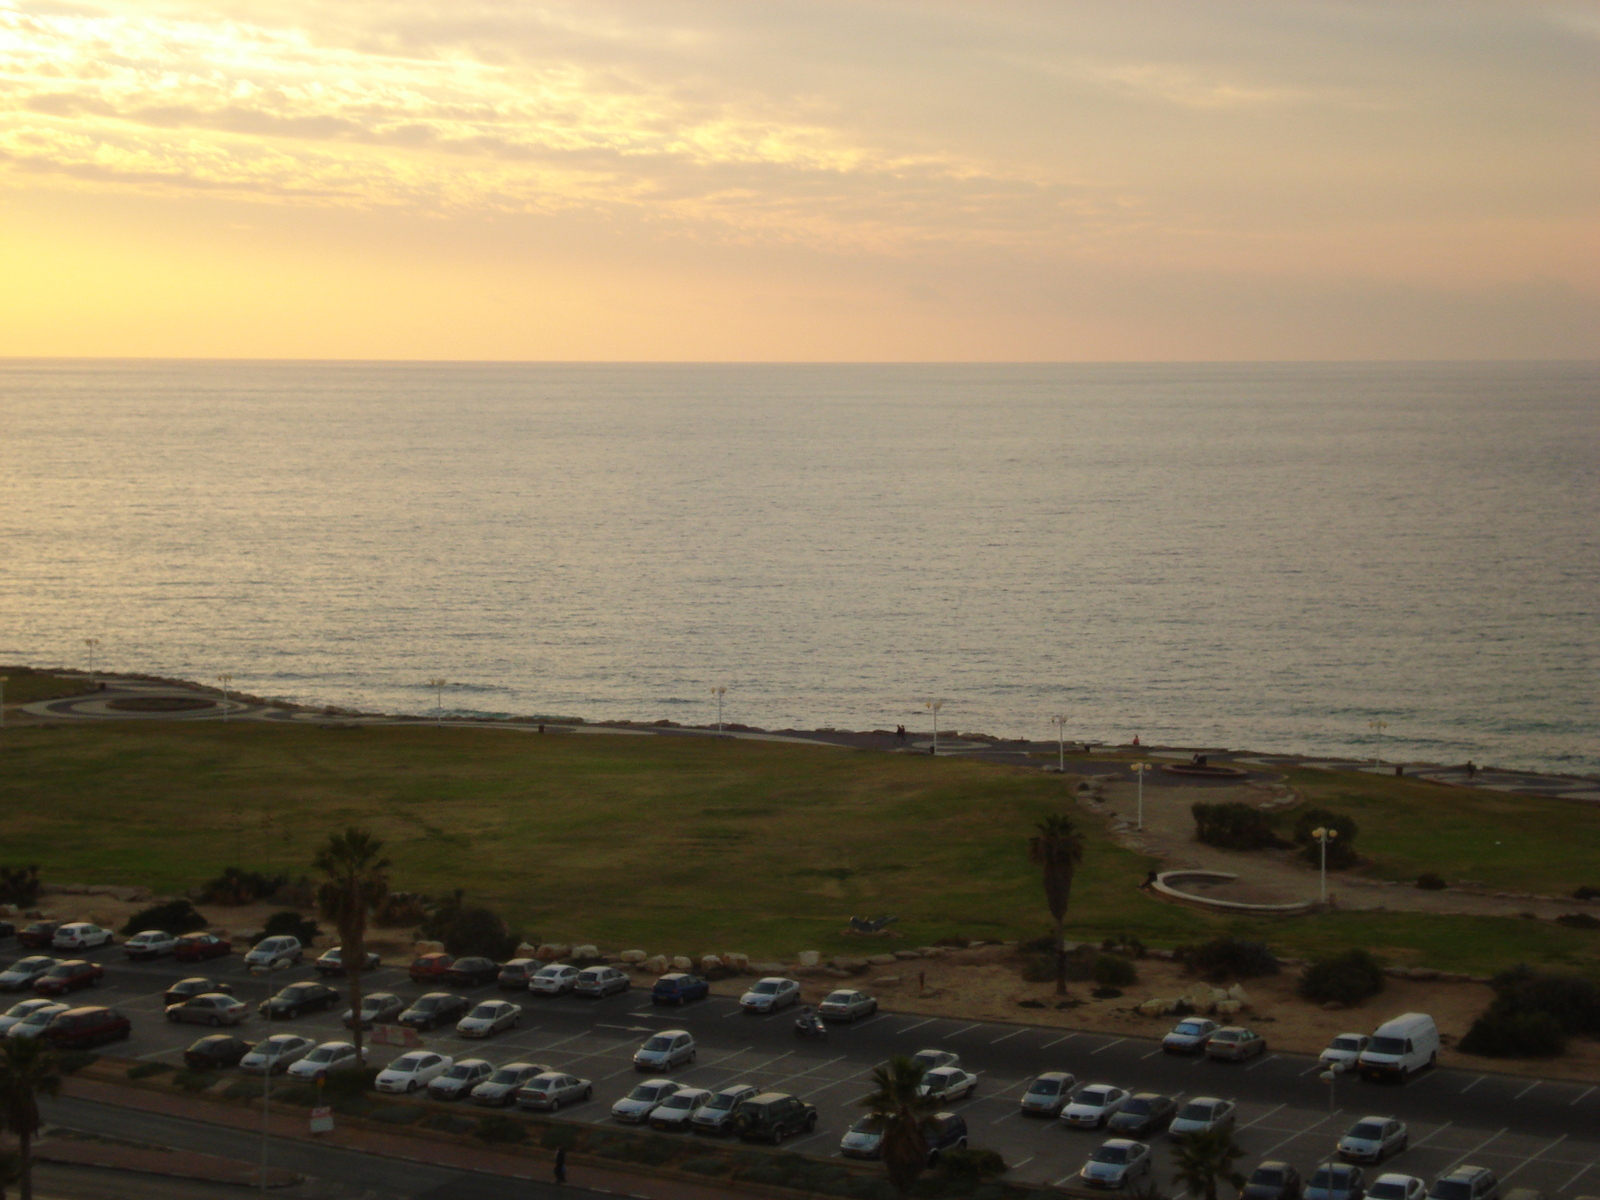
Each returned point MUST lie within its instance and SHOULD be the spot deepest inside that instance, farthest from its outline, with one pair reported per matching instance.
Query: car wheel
(411, 1086)
(811, 1122)
(588, 1093)
(215, 1022)
(173, 1017)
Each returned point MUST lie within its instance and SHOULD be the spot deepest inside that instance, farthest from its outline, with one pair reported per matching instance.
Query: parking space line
(1023, 1161)
(808, 1070)
(1470, 1153)
(1016, 1112)
(1434, 1134)
(1261, 1061)
(918, 1025)
(1108, 1045)
(959, 1032)
(1576, 1176)
(1527, 1089)
(1058, 1041)
(1316, 1066)
(1531, 1157)
(1472, 1085)
(1580, 1096)
(1262, 1117)
(810, 1138)
(1152, 1054)
(1267, 1153)
(1012, 1034)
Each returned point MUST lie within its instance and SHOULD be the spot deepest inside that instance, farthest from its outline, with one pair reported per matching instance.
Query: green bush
(1430, 882)
(175, 916)
(242, 1089)
(1227, 958)
(560, 1137)
(971, 1164)
(1579, 920)
(469, 929)
(237, 886)
(1501, 1033)
(20, 886)
(146, 1069)
(289, 923)
(195, 1081)
(1341, 850)
(706, 1166)
(1347, 978)
(305, 1095)
(1039, 968)
(1234, 826)
(69, 1062)
(350, 1081)
(1573, 1003)
(1113, 972)
(496, 1129)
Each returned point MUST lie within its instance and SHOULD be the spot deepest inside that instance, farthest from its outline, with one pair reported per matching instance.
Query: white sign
(322, 1120)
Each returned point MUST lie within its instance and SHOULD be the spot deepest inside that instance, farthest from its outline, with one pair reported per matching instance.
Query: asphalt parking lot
(1532, 1133)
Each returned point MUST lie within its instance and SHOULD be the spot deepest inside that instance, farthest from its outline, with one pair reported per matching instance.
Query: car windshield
(764, 989)
(1387, 1045)
(659, 1042)
(840, 998)
(1139, 1108)
(678, 1101)
(1196, 1111)
(1366, 1131)
(721, 1102)
(41, 1016)
(1387, 1190)
(279, 1043)
(372, 1002)
(864, 1125)
(1268, 1176)
(1045, 1087)
(1190, 1027)
(550, 973)
(34, 963)
(406, 1062)
(64, 969)
(296, 990)
(1112, 1154)
(428, 1003)
(1093, 1097)
(486, 1012)
(507, 1075)
(645, 1091)
(926, 1058)
(1226, 1035)
(1451, 1189)
(459, 1071)
(1345, 1043)
(325, 1054)
(1334, 1177)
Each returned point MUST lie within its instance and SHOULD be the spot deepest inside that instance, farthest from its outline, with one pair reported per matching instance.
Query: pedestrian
(561, 1164)
(1149, 884)
(922, 981)
(1136, 739)
(541, 726)
(1472, 769)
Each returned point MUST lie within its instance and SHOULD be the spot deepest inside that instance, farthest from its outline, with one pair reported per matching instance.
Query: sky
(800, 180)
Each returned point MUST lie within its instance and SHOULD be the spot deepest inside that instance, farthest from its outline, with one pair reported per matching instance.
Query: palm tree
(1057, 849)
(355, 882)
(29, 1069)
(1206, 1159)
(898, 1111)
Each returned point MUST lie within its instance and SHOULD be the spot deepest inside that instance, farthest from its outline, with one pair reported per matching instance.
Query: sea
(1267, 556)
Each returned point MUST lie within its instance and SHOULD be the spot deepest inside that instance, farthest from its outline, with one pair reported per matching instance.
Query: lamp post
(1330, 1077)
(3, 679)
(438, 685)
(1060, 722)
(1324, 835)
(934, 706)
(91, 642)
(1377, 728)
(223, 681)
(718, 693)
(266, 1076)
(1138, 769)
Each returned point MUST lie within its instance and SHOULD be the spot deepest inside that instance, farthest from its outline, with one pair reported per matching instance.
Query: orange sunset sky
(868, 180)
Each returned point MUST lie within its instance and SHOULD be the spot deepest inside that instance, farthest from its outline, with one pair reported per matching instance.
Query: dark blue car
(679, 988)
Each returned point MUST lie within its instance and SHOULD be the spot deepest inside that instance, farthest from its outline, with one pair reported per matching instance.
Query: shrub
(401, 909)
(706, 1166)
(1234, 826)
(350, 1081)
(1347, 978)
(238, 886)
(971, 1163)
(20, 885)
(398, 1114)
(560, 1137)
(1573, 1003)
(1429, 882)
(1341, 850)
(1039, 968)
(1506, 1034)
(1579, 920)
(1586, 893)
(496, 1129)
(1113, 972)
(175, 916)
(448, 1122)
(289, 924)
(195, 1081)
(146, 1069)
(469, 929)
(1227, 958)
(1124, 943)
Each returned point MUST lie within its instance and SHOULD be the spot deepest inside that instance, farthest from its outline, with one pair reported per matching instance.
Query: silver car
(1119, 1163)
(273, 1055)
(667, 1049)
(932, 1060)
(636, 1105)
(209, 1008)
(501, 1088)
(947, 1084)
(846, 1005)
(1343, 1051)
(717, 1115)
(1189, 1036)
(1094, 1105)
(1373, 1139)
(21, 1009)
(678, 1109)
(460, 1079)
(378, 1008)
(555, 980)
(1335, 1181)
(769, 995)
(601, 981)
(864, 1139)
(552, 1089)
(33, 1024)
(330, 1056)
(25, 972)
(1202, 1114)
(1394, 1186)
(489, 1018)
(1047, 1095)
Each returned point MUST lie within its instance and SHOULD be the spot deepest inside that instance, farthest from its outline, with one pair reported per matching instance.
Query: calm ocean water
(1255, 555)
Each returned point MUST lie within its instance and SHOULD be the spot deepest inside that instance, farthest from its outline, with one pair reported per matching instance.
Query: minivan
(1400, 1048)
(273, 951)
(600, 981)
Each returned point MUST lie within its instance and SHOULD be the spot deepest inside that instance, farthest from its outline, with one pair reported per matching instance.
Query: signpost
(322, 1120)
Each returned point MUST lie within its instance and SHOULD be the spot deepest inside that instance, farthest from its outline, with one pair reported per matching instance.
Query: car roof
(768, 1097)
(1055, 1075)
(1122, 1142)
(772, 979)
(673, 1032)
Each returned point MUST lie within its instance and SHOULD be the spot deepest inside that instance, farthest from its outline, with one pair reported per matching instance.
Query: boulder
(1423, 973)
(882, 960)
(835, 973)
(1239, 996)
(886, 981)
(710, 963)
(737, 962)
(656, 964)
(907, 954)
(931, 951)
(1156, 1007)
(850, 966)
(551, 951)
(586, 952)
(809, 958)
(634, 956)
(1227, 1008)
(422, 948)
(682, 962)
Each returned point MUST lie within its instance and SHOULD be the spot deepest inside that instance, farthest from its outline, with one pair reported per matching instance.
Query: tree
(29, 1069)
(355, 882)
(1057, 849)
(1204, 1160)
(902, 1115)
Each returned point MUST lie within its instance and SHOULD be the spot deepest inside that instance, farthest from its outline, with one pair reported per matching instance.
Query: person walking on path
(561, 1164)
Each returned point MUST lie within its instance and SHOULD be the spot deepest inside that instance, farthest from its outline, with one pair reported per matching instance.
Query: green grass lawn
(24, 685)
(683, 845)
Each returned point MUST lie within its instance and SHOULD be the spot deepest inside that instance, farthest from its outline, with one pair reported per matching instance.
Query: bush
(972, 1164)
(448, 1123)
(1347, 978)
(20, 885)
(560, 1137)
(238, 886)
(1227, 958)
(1504, 1034)
(176, 916)
(1341, 850)
(469, 929)
(1234, 826)
(1113, 972)
(398, 1114)
(1124, 943)
(289, 924)
(496, 1129)
(706, 1166)
(1039, 968)
(1579, 920)
(146, 1069)
(401, 909)
(350, 1081)
(1586, 893)
(1429, 882)
(195, 1081)
(1573, 1003)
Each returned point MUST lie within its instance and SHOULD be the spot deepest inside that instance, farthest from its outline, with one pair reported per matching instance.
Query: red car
(41, 935)
(69, 976)
(197, 947)
(431, 968)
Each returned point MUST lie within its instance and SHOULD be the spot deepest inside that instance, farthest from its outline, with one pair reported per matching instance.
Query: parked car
(32, 1025)
(1047, 1095)
(1273, 1180)
(433, 1010)
(1203, 1114)
(209, 1008)
(1144, 1115)
(80, 1028)
(678, 988)
(21, 1009)
(1336, 1181)
(1234, 1043)
(516, 973)
(677, 1110)
(460, 1079)
(1465, 1183)
(948, 1083)
(864, 1139)
(769, 995)
(198, 947)
(7, 929)
(152, 943)
(377, 1008)
(275, 952)
(39, 935)
(81, 935)
(549, 1090)
(1118, 1163)
(932, 1060)
(846, 1005)
(22, 974)
(665, 1050)
(1094, 1105)
(555, 980)
(489, 1018)
(1373, 1139)
(717, 1115)
(501, 1088)
(69, 976)
(946, 1131)
(472, 972)
(635, 1107)
(1343, 1051)
(1189, 1036)
(331, 962)
(272, 1056)
(430, 968)
(1394, 1186)
(299, 998)
(216, 1050)
(599, 982)
(329, 1056)
(195, 985)
(773, 1116)
(1400, 1048)
(412, 1070)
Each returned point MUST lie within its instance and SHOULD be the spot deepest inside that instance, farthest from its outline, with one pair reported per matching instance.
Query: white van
(1400, 1048)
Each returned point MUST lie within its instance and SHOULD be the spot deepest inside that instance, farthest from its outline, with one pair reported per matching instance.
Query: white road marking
(959, 1032)
(1576, 1176)
(1470, 1153)
(1266, 1058)
(1531, 1157)
(1108, 1045)
(1058, 1041)
(1473, 1084)
(1581, 1095)
(1434, 1134)
(1012, 1034)
(1267, 1153)
(1022, 1162)
(918, 1025)
(808, 1070)
(1152, 1054)
(1527, 1089)
(1261, 1118)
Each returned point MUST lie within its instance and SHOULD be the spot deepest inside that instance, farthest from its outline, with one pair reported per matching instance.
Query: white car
(717, 1115)
(460, 1079)
(1394, 1186)
(273, 1055)
(1047, 1095)
(502, 1087)
(932, 1060)
(601, 981)
(81, 935)
(152, 943)
(331, 962)
(948, 1083)
(1117, 1164)
(664, 1051)
(1094, 1105)
(1189, 1036)
(22, 1009)
(769, 995)
(555, 980)
(847, 1005)
(33, 1024)
(1373, 1139)
(636, 1105)
(551, 1089)
(330, 1056)
(275, 951)
(862, 1140)
(412, 1070)
(1343, 1051)
(678, 1109)
(489, 1018)
(1201, 1114)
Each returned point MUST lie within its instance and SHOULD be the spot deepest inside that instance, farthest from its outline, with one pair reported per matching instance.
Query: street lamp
(1060, 722)
(1331, 1077)
(1377, 728)
(223, 681)
(934, 706)
(718, 693)
(1138, 769)
(3, 679)
(266, 1072)
(91, 642)
(1324, 835)
(438, 685)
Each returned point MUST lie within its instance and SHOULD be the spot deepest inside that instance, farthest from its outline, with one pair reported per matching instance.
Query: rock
(908, 954)
(1227, 1008)
(524, 950)
(931, 951)
(1332, 1005)
(422, 948)
(586, 952)
(656, 964)
(710, 963)
(882, 960)
(634, 956)
(551, 951)
(835, 973)
(1163, 955)
(1156, 1007)
(737, 962)
(1239, 996)
(809, 958)
(1397, 972)
(885, 980)
(1422, 973)
(682, 962)
(850, 965)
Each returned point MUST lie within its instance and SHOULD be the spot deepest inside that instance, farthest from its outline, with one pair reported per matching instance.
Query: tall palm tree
(355, 882)
(1057, 849)
(29, 1069)
(902, 1116)
(1206, 1159)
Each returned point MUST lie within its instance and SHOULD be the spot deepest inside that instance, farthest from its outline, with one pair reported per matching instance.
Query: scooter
(809, 1025)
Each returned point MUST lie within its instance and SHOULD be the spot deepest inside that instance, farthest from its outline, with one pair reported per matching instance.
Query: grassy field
(669, 844)
(24, 685)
